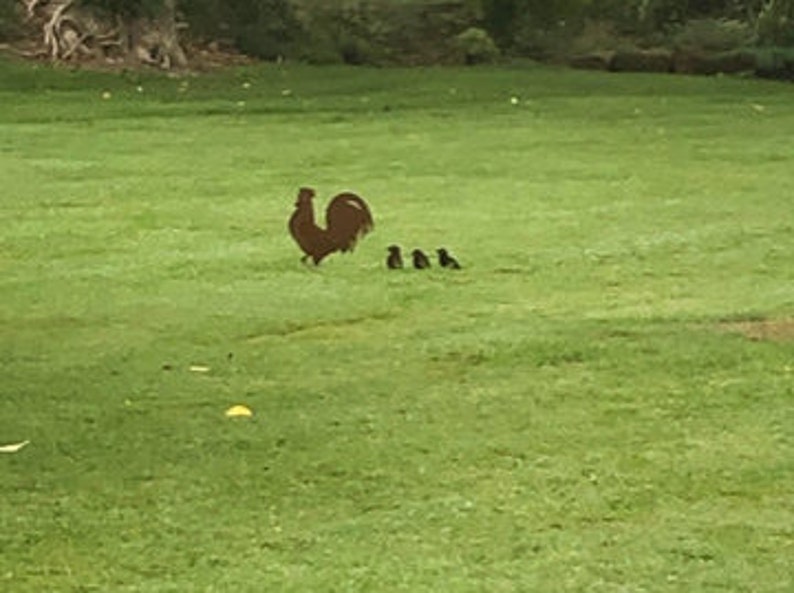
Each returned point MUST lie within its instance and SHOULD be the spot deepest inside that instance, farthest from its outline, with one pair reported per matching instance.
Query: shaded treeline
(452, 31)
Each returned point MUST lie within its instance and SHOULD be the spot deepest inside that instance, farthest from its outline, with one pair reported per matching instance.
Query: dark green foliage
(262, 28)
(499, 16)
(439, 31)
(384, 32)
(775, 23)
(535, 27)
(354, 33)
(775, 62)
(517, 22)
(266, 29)
(713, 35)
(371, 32)
(126, 8)
(662, 13)
(10, 21)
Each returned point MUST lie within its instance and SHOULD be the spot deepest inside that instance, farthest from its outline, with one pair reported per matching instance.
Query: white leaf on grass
(13, 448)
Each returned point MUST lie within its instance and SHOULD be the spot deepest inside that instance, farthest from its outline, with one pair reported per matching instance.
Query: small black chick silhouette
(446, 260)
(420, 259)
(395, 259)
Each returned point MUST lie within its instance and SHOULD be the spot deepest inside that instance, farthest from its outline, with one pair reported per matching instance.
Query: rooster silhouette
(347, 219)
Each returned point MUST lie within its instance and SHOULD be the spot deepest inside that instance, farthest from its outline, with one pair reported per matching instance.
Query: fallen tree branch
(52, 30)
(80, 43)
(70, 31)
(30, 6)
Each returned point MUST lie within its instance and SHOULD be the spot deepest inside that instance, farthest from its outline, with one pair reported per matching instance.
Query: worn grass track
(601, 400)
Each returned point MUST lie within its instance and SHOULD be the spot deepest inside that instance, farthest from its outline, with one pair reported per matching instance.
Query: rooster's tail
(347, 220)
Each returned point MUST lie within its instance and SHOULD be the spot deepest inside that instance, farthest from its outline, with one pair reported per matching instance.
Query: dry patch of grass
(773, 330)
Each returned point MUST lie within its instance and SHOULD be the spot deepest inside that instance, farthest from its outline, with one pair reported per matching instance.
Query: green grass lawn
(601, 401)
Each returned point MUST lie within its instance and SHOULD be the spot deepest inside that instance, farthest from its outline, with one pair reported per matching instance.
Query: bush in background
(339, 31)
(775, 23)
(712, 35)
(775, 62)
(266, 29)
(335, 31)
(477, 46)
(408, 32)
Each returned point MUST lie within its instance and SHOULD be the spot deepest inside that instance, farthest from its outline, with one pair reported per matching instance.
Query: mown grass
(574, 411)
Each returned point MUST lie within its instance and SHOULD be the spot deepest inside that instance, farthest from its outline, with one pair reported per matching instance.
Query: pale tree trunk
(73, 33)
(169, 32)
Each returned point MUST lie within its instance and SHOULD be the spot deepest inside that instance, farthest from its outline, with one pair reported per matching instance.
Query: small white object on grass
(198, 368)
(106, 95)
(514, 100)
(13, 448)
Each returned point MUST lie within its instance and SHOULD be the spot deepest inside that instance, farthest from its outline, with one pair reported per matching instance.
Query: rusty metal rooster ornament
(347, 219)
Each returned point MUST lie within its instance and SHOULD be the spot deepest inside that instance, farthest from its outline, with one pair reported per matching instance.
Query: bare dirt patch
(772, 330)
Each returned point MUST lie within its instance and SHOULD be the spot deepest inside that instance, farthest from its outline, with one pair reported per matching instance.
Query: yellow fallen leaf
(239, 410)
